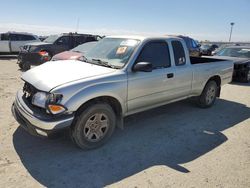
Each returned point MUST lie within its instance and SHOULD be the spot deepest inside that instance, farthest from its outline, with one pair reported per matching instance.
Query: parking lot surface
(177, 145)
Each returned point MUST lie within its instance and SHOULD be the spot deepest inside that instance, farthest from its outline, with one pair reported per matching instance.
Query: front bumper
(36, 123)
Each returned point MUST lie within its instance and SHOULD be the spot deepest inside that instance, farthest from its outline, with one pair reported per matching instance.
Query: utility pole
(231, 31)
(77, 24)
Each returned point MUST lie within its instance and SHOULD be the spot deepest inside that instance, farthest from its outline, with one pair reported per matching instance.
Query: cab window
(5, 36)
(156, 53)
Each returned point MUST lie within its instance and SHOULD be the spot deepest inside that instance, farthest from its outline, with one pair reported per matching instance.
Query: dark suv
(192, 45)
(39, 52)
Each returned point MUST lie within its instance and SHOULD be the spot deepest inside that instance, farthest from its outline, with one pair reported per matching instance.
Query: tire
(93, 126)
(208, 95)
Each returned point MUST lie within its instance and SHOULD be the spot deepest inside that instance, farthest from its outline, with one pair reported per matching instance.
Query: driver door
(146, 89)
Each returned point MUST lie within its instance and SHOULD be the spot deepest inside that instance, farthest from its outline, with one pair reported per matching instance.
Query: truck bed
(199, 60)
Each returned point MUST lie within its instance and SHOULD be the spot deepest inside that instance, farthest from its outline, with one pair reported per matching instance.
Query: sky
(202, 20)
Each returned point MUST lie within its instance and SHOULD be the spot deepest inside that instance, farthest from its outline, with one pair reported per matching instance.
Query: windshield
(51, 38)
(235, 52)
(115, 51)
(83, 48)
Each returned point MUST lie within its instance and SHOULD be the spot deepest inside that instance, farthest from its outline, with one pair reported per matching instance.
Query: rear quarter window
(179, 53)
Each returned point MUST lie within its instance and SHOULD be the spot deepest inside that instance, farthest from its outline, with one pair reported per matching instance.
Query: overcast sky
(203, 20)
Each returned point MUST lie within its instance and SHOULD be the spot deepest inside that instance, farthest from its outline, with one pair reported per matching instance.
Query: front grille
(28, 92)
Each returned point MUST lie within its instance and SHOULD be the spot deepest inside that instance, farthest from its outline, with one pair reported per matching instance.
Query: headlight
(39, 99)
(51, 102)
(54, 98)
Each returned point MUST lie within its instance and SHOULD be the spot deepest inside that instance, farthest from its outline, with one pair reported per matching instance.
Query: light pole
(232, 24)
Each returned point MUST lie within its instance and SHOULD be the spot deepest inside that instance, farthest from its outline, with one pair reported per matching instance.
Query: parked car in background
(40, 52)
(120, 76)
(240, 55)
(207, 49)
(192, 45)
(76, 53)
(11, 42)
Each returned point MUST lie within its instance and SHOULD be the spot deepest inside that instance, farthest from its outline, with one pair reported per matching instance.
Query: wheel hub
(96, 127)
(211, 94)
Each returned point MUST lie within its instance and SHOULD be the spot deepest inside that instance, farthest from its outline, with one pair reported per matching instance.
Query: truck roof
(142, 37)
(15, 32)
(76, 34)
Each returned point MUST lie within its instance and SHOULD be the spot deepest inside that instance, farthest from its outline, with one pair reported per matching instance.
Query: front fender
(117, 90)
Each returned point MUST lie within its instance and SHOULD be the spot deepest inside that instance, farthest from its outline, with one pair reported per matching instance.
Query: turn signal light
(56, 109)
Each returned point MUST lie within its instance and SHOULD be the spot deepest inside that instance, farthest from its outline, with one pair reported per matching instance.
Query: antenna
(77, 24)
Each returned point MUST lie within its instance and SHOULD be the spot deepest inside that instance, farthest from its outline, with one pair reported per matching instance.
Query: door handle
(170, 75)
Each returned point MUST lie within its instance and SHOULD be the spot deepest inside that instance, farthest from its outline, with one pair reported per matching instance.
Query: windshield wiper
(84, 59)
(105, 63)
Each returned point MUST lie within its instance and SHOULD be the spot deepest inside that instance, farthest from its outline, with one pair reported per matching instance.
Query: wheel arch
(112, 101)
(217, 79)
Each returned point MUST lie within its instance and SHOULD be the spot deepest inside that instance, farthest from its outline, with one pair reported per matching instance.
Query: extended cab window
(156, 53)
(179, 54)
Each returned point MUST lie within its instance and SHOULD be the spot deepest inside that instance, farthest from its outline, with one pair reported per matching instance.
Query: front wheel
(93, 126)
(209, 94)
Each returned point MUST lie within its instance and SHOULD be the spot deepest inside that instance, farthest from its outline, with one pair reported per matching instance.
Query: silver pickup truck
(120, 76)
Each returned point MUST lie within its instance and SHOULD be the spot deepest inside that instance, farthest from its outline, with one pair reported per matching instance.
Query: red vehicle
(75, 53)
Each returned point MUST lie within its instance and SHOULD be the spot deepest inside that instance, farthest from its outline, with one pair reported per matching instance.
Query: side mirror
(143, 67)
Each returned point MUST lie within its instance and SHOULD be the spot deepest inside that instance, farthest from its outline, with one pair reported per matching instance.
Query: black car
(39, 52)
(192, 45)
(240, 55)
(207, 49)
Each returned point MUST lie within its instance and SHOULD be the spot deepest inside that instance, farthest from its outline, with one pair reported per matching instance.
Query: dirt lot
(178, 145)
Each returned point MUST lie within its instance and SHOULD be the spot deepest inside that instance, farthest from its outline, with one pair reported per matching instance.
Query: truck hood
(55, 73)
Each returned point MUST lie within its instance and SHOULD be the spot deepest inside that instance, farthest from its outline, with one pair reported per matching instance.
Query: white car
(11, 42)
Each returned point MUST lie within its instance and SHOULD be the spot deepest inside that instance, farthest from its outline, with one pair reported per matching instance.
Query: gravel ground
(177, 145)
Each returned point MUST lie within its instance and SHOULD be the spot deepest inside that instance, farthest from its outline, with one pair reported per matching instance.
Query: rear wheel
(93, 126)
(209, 94)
